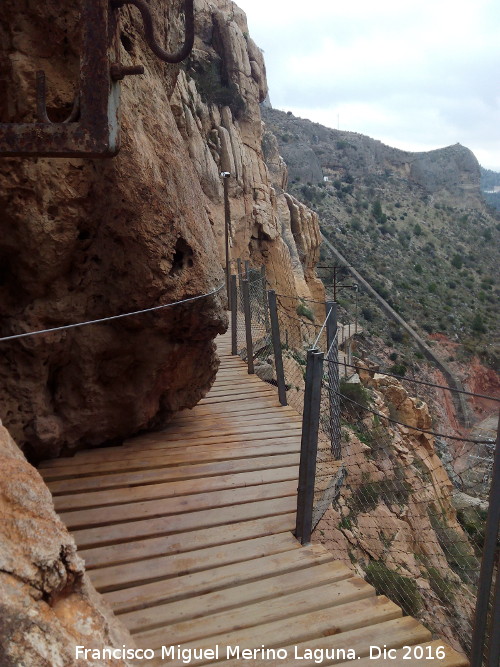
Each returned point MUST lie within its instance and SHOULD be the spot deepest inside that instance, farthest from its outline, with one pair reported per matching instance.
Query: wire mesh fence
(407, 508)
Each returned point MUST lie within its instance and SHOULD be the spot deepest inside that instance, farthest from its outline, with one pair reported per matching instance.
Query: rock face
(217, 108)
(47, 604)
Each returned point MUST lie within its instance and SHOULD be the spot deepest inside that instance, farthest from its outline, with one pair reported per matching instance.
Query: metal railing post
(248, 324)
(264, 294)
(234, 315)
(490, 555)
(276, 338)
(247, 269)
(240, 277)
(333, 379)
(494, 647)
(309, 446)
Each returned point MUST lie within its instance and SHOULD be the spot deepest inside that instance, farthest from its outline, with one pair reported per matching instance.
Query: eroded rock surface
(47, 604)
(86, 239)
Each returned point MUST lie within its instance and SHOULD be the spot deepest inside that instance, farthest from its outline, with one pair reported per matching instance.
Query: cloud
(423, 72)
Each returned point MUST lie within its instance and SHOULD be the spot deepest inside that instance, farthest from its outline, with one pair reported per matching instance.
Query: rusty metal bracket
(149, 35)
(92, 129)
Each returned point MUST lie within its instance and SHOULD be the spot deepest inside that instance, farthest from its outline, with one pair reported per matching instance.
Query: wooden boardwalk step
(312, 576)
(181, 472)
(216, 579)
(160, 568)
(151, 509)
(130, 494)
(325, 596)
(396, 633)
(331, 621)
(200, 453)
(145, 548)
(159, 446)
(127, 532)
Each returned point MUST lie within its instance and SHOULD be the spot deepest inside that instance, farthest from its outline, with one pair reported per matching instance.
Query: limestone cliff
(47, 604)
(86, 239)
(216, 104)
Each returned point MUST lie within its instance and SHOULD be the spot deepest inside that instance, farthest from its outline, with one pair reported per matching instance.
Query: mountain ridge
(416, 225)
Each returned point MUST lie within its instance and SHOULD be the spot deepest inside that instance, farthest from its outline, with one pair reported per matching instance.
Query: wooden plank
(160, 568)
(326, 596)
(183, 421)
(150, 509)
(228, 380)
(234, 597)
(299, 628)
(240, 391)
(452, 658)
(143, 549)
(123, 532)
(394, 634)
(212, 426)
(161, 443)
(216, 579)
(165, 458)
(185, 472)
(169, 489)
(236, 398)
(253, 405)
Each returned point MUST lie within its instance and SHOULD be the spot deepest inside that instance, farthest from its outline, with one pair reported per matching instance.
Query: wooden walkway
(187, 534)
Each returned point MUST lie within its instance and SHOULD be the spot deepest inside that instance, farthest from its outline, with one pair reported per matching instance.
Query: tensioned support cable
(111, 318)
(322, 328)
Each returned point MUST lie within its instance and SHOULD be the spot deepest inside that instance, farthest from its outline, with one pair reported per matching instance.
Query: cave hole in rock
(127, 43)
(183, 257)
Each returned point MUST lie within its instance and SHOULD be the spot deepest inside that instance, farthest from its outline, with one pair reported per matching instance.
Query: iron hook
(41, 102)
(147, 19)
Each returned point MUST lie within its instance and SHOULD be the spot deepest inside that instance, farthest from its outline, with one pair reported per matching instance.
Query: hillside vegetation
(415, 225)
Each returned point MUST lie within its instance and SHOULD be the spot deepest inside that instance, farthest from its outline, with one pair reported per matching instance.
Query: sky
(415, 74)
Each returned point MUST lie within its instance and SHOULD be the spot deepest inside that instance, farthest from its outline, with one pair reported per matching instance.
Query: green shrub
(303, 311)
(478, 324)
(356, 392)
(456, 548)
(214, 89)
(441, 586)
(400, 589)
(473, 521)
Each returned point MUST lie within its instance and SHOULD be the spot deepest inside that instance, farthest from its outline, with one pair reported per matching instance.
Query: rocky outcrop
(216, 104)
(47, 604)
(85, 239)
